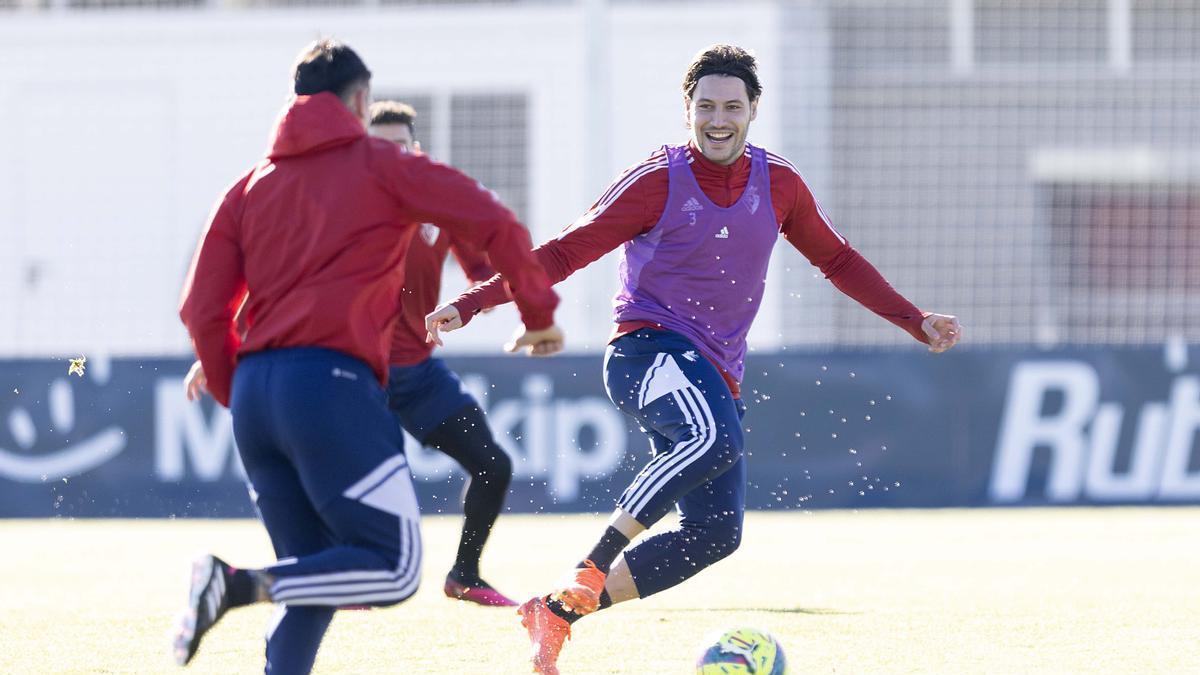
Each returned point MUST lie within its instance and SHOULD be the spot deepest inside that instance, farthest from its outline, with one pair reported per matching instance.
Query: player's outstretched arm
(630, 207)
(627, 209)
(806, 227)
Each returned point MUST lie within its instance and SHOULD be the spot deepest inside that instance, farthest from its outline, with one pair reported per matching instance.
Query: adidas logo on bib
(691, 205)
(723, 234)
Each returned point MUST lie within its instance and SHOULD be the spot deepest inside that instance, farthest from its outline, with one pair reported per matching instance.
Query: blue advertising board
(845, 429)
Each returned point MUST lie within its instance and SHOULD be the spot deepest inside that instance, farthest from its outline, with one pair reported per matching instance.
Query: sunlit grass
(999, 591)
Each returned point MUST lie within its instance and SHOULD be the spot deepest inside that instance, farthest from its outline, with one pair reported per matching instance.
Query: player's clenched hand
(536, 342)
(195, 384)
(943, 331)
(444, 318)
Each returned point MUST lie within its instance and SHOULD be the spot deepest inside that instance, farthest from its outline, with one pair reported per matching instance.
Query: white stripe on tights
(681, 456)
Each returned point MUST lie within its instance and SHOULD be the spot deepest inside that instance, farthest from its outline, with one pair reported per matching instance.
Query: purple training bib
(702, 269)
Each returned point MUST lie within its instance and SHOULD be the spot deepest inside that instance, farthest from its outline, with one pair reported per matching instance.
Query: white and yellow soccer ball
(742, 651)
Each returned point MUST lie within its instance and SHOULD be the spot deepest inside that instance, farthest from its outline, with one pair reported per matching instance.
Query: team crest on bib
(752, 198)
(430, 232)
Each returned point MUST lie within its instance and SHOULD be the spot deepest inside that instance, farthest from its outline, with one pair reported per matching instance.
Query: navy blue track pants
(328, 474)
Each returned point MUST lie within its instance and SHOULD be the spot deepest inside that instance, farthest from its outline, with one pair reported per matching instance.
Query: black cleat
(207, 601)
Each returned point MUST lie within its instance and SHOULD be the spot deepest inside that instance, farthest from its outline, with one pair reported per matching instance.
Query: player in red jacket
(312, 240)
(427, 397)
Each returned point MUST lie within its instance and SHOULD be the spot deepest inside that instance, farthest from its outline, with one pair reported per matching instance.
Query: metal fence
(1028, 164)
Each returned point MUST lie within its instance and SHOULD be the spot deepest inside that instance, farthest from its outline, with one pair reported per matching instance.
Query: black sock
(469, 577)
(240, 587)
(560, 610)
(466, 438)
(607, 549)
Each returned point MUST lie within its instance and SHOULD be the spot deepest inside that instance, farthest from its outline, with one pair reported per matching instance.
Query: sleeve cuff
(914, 327)
(538, 321)
(466, 310)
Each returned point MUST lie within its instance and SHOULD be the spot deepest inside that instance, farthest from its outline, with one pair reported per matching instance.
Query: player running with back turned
(312, 239)
(427, 397)
(696, 224)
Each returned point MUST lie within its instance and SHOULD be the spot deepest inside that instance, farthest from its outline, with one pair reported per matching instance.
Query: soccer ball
(742, 650)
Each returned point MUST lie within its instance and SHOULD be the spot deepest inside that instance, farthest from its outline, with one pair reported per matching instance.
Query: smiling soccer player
(696, 224)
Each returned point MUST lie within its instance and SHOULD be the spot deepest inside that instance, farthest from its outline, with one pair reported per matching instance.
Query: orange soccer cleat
(582, 595)
(547, 632)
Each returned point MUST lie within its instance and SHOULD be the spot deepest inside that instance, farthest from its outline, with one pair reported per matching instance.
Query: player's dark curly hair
(393, 112)
(724, 60)
(329, 65)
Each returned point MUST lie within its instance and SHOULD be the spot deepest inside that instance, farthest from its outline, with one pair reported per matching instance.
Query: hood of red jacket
(312, 123)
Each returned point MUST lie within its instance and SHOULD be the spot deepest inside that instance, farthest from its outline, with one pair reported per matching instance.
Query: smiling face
(719, 113)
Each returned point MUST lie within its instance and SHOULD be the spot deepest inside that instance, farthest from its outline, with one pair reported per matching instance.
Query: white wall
(117, 131)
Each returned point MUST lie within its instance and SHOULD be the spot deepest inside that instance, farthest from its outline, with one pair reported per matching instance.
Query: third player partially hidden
(697, 224)
(427, 397)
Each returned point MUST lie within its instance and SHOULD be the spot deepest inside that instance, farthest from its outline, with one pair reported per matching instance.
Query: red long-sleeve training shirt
(633, 204)
(423, 285)
(317, 232)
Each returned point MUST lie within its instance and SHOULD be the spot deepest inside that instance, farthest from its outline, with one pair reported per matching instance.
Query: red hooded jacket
(317, 232)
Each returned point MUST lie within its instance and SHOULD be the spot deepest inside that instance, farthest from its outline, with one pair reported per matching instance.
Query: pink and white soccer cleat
(481, 595)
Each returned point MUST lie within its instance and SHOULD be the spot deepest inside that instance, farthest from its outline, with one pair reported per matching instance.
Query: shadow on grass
(819, 611)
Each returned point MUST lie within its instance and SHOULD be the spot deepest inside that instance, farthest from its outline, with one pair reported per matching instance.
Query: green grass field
(999, 591)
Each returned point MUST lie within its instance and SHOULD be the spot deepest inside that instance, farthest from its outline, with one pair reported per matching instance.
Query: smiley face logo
(28, 462)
